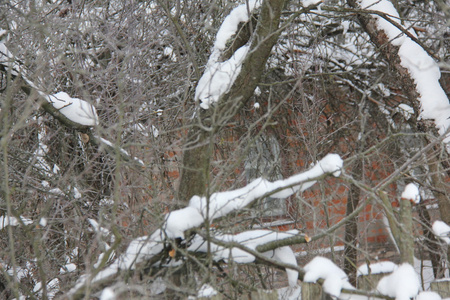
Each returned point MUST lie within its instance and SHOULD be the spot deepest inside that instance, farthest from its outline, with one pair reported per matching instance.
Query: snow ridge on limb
(220, 204)
(223, 203)
(76, 110)
(422, 68)
(220, 76)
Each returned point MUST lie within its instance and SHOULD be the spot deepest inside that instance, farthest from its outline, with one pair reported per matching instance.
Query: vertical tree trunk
(406, 238)
(351, 227)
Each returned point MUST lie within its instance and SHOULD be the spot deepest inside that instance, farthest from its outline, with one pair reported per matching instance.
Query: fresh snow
(43, 222)
(406, 110)
(442, 231)
(219, 76)
(76, 110)
(6, 58)
(403, 283)
(423, 69)
(307, 3)
(178, 221)
(334, 278)
(411, 192)
(67, 268)
(428, 296)
(221, 204)
(206, 291)
(377, 268)
(229, 27)
(13, 221)
(108, 294)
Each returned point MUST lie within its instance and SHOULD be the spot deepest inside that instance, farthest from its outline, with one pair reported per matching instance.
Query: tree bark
(351, 227)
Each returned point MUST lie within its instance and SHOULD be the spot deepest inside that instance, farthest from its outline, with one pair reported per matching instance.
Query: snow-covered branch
(220, 204)
(422, 69)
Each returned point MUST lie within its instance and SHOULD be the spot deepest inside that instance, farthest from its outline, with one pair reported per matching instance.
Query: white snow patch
(55, 169)
(334, 278)
(428, 296)
(411, 192)
(67, 268)
(221, 204)
(307, 3)
(43, 222)
(442, 231)
(345, 26)
(403, 283)
(406, 110)
(52, 288)
(178, 221)
(250, 239)
(219, 77)
(108, 294)
(13, 221)
(290, 293)
(155, 131)
(76, 110)
(229, 27)
(206, 291)
(377, 268)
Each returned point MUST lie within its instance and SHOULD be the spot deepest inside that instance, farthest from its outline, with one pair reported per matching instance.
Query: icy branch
(221, 204)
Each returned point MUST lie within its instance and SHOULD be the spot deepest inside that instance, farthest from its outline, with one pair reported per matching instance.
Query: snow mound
(403, 283)
(442, 231)
(334, 278)
(428, 296)
(411, 192)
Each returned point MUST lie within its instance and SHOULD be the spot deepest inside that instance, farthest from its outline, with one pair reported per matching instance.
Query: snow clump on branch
(334, 277)
(403, 283)
(76, 110)
(411, 192)
(442, 231)
(220, 76)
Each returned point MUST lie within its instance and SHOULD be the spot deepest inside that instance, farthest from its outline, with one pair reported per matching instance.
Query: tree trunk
(351, 227)
(406, 238)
